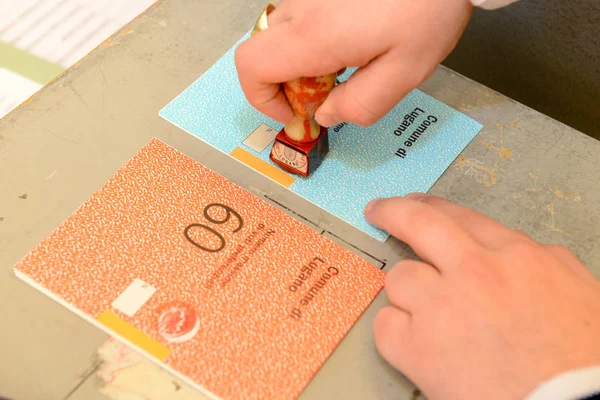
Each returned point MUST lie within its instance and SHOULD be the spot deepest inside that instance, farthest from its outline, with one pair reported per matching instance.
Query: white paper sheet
(60, 31)
(14, 89)
(63, 31)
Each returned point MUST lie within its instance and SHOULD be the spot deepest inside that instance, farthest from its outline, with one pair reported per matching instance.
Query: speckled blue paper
(361, 164)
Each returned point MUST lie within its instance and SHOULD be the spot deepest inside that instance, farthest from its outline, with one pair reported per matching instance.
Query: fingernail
(327, 120)
(416, 196)
(371, 206)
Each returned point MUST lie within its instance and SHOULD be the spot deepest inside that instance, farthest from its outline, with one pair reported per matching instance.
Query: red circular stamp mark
(177, 322)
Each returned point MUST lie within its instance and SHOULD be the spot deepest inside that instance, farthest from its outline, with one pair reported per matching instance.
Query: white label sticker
(260, 138)
(134, 297)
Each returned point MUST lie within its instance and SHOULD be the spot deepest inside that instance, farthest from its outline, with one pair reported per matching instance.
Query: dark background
(542, 53)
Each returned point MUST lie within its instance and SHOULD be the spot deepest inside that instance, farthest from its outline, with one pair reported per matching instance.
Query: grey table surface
(524, 169)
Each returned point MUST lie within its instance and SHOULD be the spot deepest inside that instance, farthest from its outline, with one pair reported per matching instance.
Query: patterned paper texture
(229, 318)
(361, 165)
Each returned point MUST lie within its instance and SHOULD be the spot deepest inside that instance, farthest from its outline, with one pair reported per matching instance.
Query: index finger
(432, 234)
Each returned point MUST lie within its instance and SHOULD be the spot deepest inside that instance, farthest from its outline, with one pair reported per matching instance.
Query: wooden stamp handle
(305, 95)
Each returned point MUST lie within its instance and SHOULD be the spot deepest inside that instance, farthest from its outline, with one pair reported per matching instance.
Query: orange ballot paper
(215, 285)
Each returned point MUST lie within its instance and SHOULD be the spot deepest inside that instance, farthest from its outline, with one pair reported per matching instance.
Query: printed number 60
(229, 212)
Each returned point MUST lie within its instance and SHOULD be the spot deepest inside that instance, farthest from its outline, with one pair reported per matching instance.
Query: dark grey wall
(542, 53)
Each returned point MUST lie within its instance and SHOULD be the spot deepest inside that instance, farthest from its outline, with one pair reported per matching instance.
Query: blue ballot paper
(406, 151)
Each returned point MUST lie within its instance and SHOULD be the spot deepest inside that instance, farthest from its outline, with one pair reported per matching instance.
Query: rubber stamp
(300, 147)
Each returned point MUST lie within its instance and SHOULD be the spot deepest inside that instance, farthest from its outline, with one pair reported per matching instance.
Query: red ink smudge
(177, 322)
(307, 129)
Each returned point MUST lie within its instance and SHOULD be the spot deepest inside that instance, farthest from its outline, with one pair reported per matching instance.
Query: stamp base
(299, 158)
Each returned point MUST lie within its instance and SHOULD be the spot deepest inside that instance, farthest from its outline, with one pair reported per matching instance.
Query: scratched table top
(524, 169)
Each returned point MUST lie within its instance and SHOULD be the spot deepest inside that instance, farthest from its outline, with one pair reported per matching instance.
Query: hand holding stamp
(302, 144)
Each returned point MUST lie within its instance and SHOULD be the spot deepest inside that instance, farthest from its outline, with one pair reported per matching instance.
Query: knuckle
(365, 119)
(383, 322)
(241, 57)
(433, 200)
(251, 97)
(352, 109)
(420, 217)
(415, 77)
(516, 240)
(520, 235)
(523, 251)
(297, 29)
(559, 249)
(483, 268)
(522, 244)
(242, 65)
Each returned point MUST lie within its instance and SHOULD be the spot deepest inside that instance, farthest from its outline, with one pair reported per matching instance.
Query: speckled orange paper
(245, 322)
